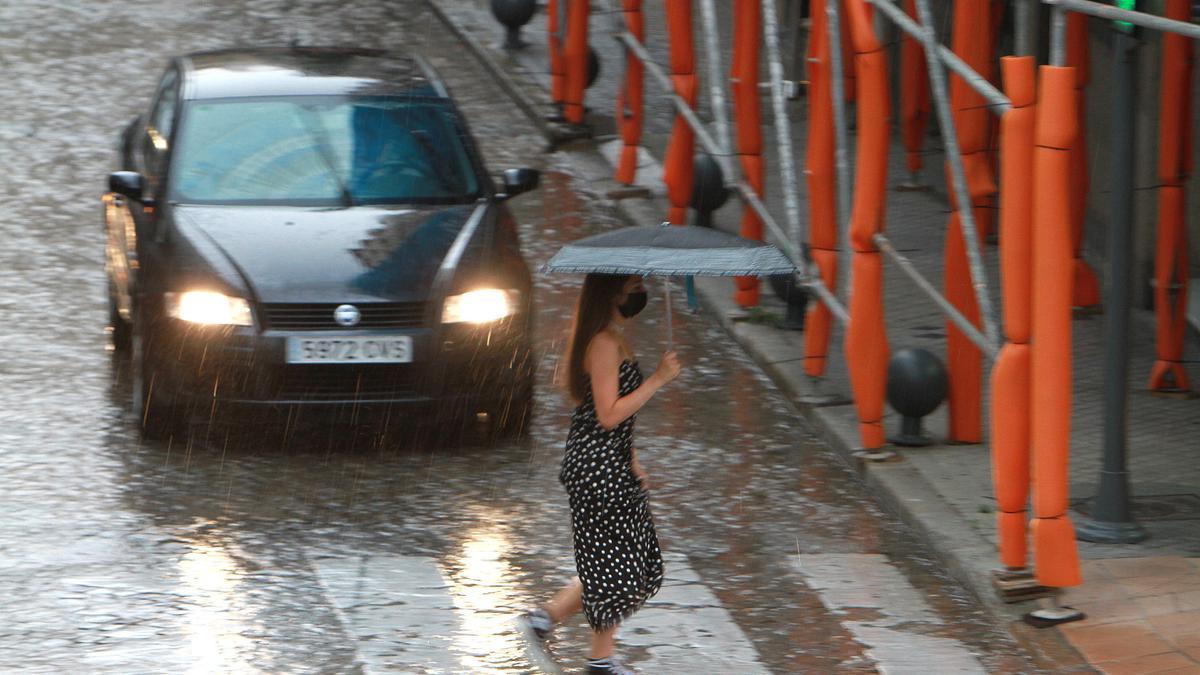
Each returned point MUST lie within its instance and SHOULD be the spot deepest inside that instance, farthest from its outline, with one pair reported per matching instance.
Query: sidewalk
(1142, 601)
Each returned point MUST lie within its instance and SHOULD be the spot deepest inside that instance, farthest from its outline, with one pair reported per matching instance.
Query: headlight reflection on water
(217, 620)
(483, 589)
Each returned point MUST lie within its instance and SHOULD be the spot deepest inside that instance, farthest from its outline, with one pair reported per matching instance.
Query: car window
(164, 110)
(158, 127)
(322, 150)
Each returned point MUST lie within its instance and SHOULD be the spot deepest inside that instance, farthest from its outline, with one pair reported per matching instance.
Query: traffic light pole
(1111, 519)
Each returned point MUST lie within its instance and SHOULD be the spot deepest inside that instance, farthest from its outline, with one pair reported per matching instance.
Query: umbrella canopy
(670, 250)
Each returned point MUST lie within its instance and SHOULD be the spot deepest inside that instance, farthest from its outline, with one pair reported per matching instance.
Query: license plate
(346, 349)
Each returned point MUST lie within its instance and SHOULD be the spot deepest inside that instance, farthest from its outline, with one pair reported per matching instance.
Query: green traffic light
(1130, 5)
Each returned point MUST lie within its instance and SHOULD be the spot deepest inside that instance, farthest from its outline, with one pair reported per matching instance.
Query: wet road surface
(330, 551)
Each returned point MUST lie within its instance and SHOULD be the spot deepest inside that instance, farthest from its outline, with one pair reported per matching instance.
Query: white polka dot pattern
(616, 548)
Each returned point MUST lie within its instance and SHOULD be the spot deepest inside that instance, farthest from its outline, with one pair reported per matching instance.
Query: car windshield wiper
(325, 150)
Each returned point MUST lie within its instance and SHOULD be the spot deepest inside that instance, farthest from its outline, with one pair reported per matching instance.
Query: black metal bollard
(708, 189)
(916, 386)
(513, 14)
(796, 297)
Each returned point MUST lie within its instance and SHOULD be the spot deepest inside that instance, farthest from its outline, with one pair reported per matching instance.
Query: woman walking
(617, 558)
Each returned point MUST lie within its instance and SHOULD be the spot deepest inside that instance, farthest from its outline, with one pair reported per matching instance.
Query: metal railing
(743, 189)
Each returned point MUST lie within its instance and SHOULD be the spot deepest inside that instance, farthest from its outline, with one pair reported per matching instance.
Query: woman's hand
(668, 367)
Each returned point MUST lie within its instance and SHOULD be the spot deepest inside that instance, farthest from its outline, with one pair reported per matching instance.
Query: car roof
(307, 71)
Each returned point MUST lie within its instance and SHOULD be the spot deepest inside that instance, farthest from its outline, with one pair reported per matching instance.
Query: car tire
(153, 406)
(121, 332)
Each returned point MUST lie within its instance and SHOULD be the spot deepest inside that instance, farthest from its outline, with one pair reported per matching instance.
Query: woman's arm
(603, 363)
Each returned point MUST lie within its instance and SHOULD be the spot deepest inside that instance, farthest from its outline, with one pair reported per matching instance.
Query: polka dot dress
(616, 548)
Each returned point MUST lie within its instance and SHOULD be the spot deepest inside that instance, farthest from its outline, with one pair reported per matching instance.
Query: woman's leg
(603, 643)
(566, 602)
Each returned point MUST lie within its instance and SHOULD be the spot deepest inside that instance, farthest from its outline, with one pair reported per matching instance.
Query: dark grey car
(313, 228)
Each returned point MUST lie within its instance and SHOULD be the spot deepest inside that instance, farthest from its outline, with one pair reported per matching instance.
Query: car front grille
(319, 316)
(346, 383)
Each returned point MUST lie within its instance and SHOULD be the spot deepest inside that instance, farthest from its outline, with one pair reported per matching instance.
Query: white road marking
(685, 629)
(406, 614)
(397, 608)
(869, 582)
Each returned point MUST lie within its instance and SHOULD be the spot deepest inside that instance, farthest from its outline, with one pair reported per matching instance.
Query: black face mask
(633, 304)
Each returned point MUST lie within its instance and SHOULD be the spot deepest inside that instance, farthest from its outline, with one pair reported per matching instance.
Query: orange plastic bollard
(1010, 414)
(558, 65)
(1171, 250)
(630, 108)
(849, 82)
(972, 41)
(1010, 449)
(914, 94)
(866, 344)
(575, 58)
(680, 157)
(822, 186)
(866, 334)
(747, 116)
(1055, 552)
(1086, 286)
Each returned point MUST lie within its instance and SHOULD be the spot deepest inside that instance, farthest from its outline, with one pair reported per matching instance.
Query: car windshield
(321, 151)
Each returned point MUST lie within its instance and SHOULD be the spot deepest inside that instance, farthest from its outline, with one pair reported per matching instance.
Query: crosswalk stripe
(685, 629)
(407, 615)
(397, 608)
(893, 640)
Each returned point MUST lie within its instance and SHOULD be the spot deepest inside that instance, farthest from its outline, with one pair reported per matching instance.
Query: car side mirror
(127, 183)
(517, 181)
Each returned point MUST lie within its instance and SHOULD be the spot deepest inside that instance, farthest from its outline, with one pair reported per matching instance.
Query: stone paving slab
(945, 491)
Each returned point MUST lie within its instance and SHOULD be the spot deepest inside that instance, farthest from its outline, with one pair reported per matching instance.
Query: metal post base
(1106, 532)
(794, 319)
(512, 39)
(911, 434)
(913, 184)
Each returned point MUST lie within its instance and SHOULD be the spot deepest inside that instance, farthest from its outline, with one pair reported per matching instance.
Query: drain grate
(1155, 507)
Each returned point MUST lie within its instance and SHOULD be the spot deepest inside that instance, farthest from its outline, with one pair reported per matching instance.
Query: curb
(898, 486)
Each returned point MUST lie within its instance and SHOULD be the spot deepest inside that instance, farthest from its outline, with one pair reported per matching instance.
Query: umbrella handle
(670, 332)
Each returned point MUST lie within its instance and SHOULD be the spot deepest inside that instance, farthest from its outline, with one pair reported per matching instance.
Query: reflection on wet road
(331, 550)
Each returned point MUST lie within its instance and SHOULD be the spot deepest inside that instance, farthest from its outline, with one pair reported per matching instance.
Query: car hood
(361, 254)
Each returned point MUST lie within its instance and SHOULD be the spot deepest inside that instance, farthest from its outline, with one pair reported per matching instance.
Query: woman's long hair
(592, 315)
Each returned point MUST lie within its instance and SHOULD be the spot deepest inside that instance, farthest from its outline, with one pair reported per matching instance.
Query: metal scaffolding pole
(989, 349)
(783, 126)
(1027, 27)
(744, 190)
(998, 103)
(1184, 28)
(712, 58)
(841, 151)
(1058, 36)
(966, 218)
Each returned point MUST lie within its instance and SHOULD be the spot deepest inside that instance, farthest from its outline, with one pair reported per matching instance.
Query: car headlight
(209, 308)
(482, 305)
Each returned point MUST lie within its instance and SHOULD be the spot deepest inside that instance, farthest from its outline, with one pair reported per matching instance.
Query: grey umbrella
(666, 251)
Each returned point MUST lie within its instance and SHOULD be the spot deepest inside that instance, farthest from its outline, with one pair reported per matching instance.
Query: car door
(132, 225)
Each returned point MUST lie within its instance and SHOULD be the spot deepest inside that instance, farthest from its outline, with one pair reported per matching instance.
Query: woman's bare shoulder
(605, 346)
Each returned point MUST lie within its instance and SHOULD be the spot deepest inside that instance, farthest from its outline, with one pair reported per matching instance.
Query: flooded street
(245, 549)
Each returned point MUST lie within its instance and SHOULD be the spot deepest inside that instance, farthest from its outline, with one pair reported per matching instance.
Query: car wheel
(121, 332)
(153, 405)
